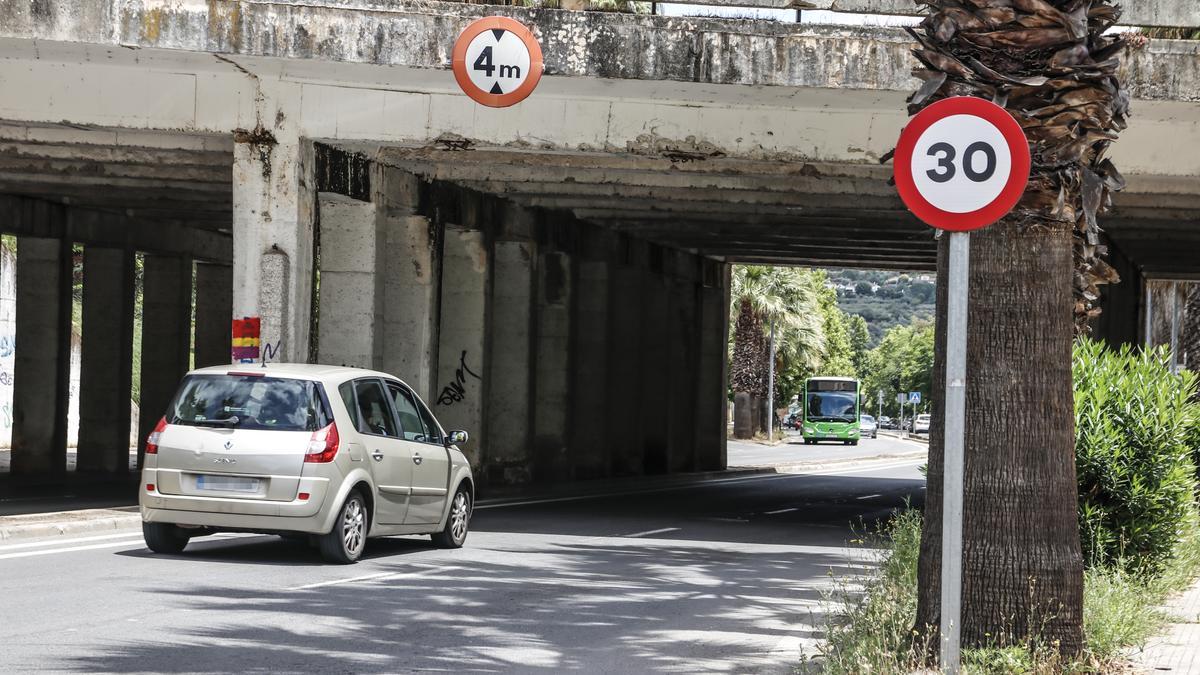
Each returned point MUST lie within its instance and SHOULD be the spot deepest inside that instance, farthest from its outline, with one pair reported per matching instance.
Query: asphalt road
(719, 577)
(743, 453)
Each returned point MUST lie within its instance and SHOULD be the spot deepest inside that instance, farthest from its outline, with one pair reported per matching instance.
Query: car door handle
(416, 458)
(377, 455)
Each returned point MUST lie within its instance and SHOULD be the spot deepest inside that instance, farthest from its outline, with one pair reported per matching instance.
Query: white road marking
(650, 532)
(111, 544)
(54, 541)
(138, 542)
(868, 496)
(376, 577)
(779, 511)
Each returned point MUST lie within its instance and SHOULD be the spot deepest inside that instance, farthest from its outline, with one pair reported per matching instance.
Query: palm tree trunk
(1022, 566)
(747, 373)
(1034, 281)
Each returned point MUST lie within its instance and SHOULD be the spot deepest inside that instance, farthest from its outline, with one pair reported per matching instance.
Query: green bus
(831, 410)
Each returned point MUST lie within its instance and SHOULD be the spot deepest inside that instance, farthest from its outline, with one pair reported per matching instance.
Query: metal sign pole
(771, 388)
(952, 471)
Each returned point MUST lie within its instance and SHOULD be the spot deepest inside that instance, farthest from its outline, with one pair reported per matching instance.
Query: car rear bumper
(309, 515)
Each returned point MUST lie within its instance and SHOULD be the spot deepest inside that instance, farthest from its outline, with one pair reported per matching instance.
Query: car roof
(299, 371)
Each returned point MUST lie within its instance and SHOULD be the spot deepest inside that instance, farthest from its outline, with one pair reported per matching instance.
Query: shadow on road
(631, 606)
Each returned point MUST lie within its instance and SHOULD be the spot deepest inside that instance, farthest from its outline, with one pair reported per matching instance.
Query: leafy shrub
(1134, 426)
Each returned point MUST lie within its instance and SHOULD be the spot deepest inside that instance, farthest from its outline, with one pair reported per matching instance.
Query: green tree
(837, 358)
(860, 342)
(904, 355)
(789, 299)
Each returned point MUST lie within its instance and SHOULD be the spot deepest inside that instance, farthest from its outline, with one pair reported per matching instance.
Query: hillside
(884, 298)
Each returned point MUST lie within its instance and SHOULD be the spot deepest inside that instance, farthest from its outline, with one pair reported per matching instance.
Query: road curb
(90, 521)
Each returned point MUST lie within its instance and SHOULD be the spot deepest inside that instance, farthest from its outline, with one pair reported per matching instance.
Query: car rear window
(250, 402)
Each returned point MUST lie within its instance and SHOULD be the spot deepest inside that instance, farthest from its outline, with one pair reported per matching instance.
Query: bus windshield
(832, 406)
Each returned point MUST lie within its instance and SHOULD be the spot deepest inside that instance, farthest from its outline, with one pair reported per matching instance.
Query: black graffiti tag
(455, 391)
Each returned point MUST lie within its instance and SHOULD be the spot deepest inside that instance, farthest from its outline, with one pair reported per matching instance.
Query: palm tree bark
(1033, 284)
(1022, 566)
(748, 368)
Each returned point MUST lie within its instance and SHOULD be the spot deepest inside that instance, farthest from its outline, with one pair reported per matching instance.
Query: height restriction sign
(497, 61)
(962, 164)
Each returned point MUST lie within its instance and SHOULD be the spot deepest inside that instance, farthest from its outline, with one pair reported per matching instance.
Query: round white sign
(961, 163)
(497, 61)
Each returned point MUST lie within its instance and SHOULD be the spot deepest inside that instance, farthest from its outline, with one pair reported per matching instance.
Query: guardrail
(1165, 13)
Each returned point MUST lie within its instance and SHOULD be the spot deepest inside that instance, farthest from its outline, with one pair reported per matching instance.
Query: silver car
(338, 454)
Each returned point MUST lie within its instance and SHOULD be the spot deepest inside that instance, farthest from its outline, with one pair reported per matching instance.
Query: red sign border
(1018, 145)
(459, 61)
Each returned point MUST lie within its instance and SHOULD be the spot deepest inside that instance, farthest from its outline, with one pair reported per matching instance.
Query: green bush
(1134, 430)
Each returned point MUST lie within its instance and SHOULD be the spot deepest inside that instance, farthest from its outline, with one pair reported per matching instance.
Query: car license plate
(227, 483)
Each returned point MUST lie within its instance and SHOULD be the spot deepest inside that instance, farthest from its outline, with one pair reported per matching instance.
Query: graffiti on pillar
(270, 351)
(246, 339)
(6, 378)
(6, 415)
(8, 345)
(456, 391)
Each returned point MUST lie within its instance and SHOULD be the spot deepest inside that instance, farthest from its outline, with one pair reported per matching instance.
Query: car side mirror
(456, 437)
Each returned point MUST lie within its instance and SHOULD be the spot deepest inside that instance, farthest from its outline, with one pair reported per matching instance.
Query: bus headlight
(808, 429)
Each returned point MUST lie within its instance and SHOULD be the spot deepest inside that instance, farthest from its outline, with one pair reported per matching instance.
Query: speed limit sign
(962, 164)
(497, 61)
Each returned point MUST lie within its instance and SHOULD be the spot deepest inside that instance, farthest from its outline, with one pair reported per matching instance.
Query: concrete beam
(41, 370)
(351, 305)
(19, 216)
(510, 396)
(106, 360)
(166, 336)
(214, 310)
(553, 365)
(606, 45)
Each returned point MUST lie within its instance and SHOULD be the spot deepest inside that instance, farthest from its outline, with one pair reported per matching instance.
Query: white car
(921, 424)
(339, 454)
(867, 428)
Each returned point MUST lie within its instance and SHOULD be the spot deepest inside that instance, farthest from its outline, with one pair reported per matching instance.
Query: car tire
(164, 537)
(458, 521)
(853, 442)
(344, 544)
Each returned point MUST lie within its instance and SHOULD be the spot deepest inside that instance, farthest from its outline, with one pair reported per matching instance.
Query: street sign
(962, 164)
(497, 61)
(901, 399)
(914, 397)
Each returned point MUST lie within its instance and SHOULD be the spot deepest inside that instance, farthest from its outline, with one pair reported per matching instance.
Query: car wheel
(457, 523)
(853, 442)
(345, 542)
(164, 537)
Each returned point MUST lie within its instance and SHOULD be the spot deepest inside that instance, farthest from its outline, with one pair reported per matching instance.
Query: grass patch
(871, 629)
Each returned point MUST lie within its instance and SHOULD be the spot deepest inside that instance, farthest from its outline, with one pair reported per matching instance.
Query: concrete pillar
(273, 234)
(410, 288)
(625, 362)
(589, 370)
(684, 331)
(166, 323)
(214, 309)
(711, 407)
(41, 369)
(655, 389)
(350, 302)
(106, 360)
(462, 348)
(510, 389)
(552, 366)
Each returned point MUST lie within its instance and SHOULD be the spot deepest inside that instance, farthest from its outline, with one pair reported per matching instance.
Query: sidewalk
(1177, 649)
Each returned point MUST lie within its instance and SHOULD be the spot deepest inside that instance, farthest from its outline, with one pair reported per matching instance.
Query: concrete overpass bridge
(314, 164)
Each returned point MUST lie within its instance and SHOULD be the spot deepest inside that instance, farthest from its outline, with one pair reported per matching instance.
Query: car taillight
(152, 439)
(324, 445)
